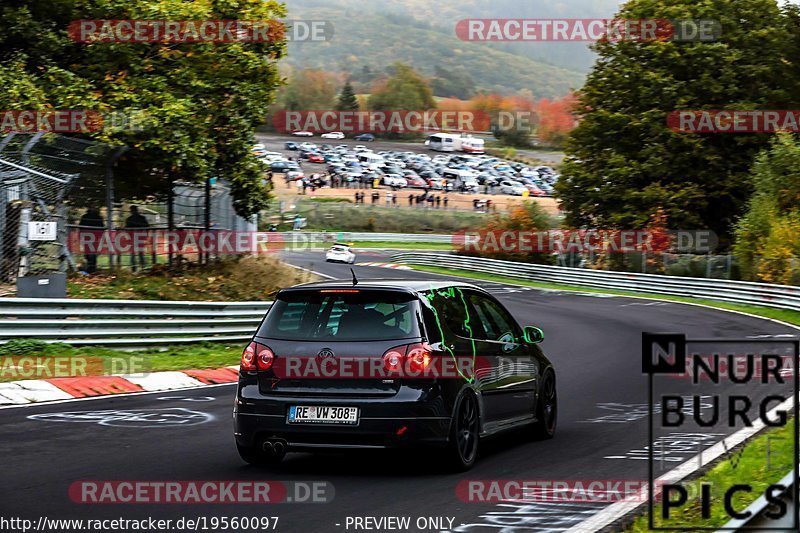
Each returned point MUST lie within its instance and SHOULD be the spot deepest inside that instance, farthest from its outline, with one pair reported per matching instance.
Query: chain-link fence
(32, 222)
(56, 190)
(137, 235)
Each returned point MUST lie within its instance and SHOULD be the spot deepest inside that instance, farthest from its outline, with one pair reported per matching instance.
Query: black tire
(546, 409)
(257, 457)
(462, 447)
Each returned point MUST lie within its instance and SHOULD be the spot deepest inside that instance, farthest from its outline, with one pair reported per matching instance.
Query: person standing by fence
(138, 223)
(91, 220)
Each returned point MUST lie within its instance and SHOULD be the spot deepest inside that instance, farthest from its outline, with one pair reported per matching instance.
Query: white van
(370, 160)
(461, 179)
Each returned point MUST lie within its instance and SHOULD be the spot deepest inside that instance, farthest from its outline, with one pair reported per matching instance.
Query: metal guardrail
(741, 292)
(128, 323)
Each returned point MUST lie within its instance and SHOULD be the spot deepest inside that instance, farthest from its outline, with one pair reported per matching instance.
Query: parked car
(259, 150)
(393, 180)
(512, 187)
(279, 166)
(461, 179)
(416, 182)
(315, 157)
(436, 182)
(294, 175)
(290, 145)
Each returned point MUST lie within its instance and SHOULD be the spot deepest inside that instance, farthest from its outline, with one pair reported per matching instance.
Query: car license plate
(322, 414)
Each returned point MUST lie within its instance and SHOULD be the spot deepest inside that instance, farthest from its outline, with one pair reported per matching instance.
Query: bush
(232, 279)
(23, 347)
(778, 262)
(528, 216)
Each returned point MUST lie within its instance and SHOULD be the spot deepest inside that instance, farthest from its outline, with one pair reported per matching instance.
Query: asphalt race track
(593, 341)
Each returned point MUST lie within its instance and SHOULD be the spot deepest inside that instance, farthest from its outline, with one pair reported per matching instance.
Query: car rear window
(343, 315)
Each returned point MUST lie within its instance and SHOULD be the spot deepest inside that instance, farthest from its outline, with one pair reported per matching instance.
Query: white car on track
(302, 134)
(340, 253)
(333, 135)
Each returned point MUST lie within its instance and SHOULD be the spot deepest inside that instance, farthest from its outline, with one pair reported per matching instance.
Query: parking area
(402, 174)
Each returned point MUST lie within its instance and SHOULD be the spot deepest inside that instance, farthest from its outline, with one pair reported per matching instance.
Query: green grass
(406, 245)
(785, 315)
(339, 216)
(100, 360)
(724, 474)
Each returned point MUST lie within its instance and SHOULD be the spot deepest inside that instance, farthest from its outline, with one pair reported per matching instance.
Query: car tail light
(408, 358)
(264, 357)
(393, 360)
(257, 357)
(249, 357)
(418, 358)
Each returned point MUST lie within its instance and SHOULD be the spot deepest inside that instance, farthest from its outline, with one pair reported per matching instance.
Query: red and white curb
(59, 389)
(386, 265)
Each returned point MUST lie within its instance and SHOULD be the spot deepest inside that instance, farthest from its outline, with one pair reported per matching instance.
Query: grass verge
(72, 361)
(778, 443)
(406, 245)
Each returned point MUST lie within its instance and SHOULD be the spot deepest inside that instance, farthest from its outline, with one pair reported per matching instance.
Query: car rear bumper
(410, 418)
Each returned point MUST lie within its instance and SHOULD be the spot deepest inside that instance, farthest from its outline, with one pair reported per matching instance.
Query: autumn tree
(513, 118)
(200, 101)
(555, 119)
(768, 235)
(308, 89)
(405, 89)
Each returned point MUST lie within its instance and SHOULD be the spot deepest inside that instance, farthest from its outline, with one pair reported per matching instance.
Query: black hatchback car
(387, 364)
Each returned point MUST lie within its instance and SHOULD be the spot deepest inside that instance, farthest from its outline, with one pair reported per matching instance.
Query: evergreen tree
(347, 99)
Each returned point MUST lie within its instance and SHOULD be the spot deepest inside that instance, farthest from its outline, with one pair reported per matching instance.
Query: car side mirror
(533, 335)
